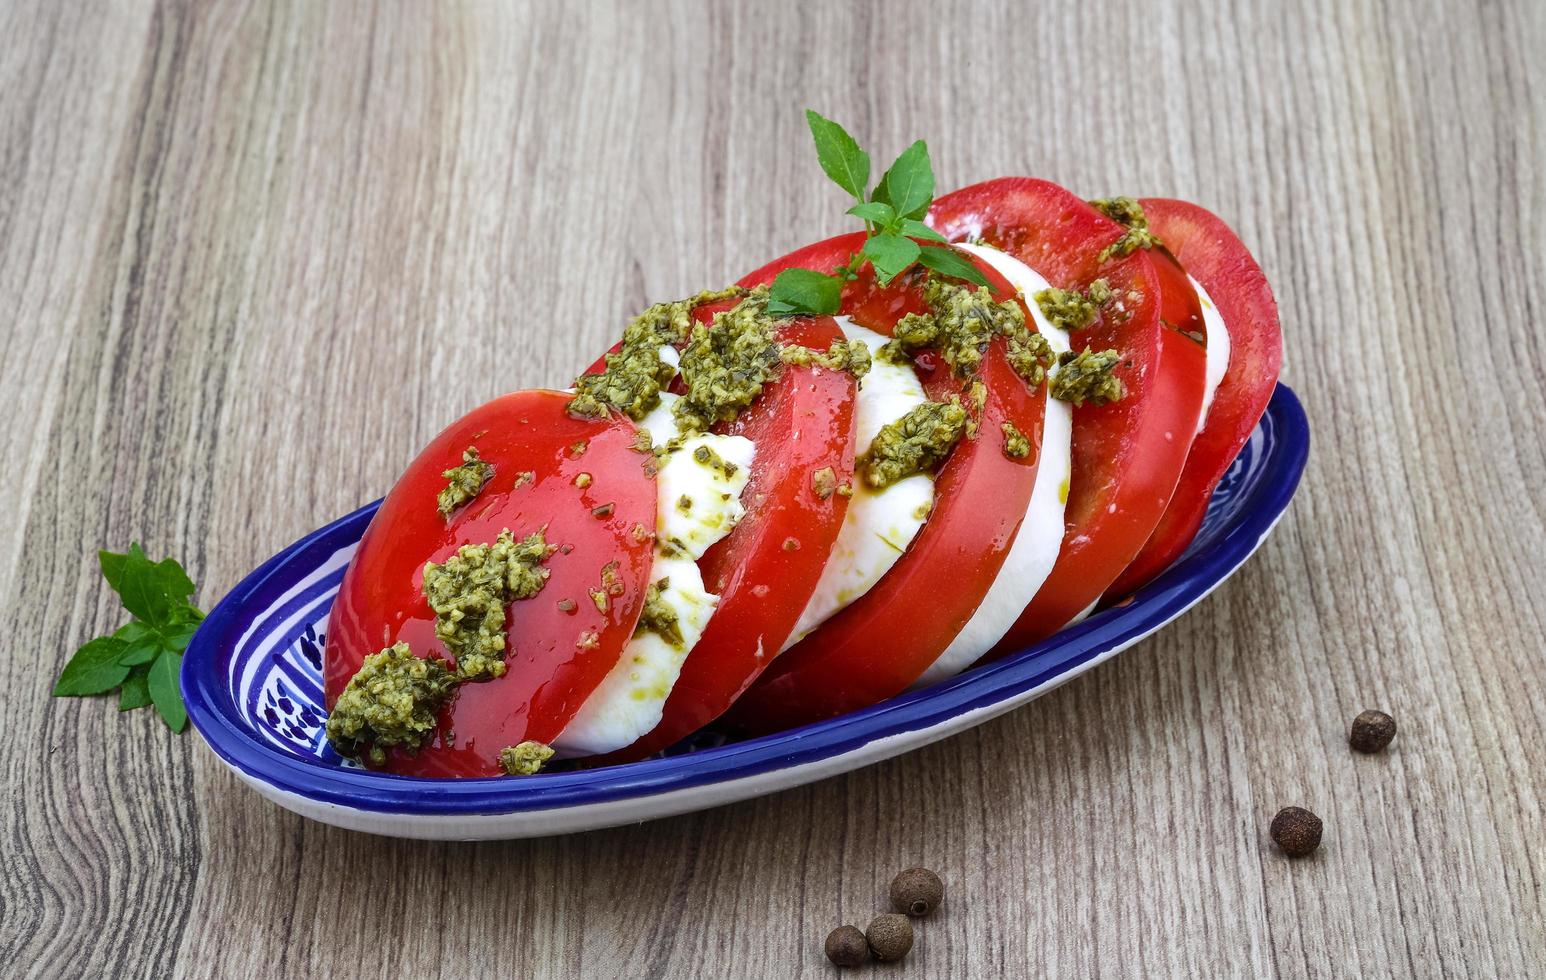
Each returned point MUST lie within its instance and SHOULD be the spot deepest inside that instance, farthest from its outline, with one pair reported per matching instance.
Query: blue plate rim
(213, 713)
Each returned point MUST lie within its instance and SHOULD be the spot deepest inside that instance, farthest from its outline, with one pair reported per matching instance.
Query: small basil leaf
(135, 692)
(909, 184)
(94, 669)
(839, 154)
(803, 291)
(874, 211)
(913, 228)
(165, 692)
(948, 262)
(151, 591)
(890, 255)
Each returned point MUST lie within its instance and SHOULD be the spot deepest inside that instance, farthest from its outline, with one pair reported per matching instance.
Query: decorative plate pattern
(252, 678)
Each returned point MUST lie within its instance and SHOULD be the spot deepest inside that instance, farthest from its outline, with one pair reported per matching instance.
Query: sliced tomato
(766, 568)
(884, 640)
(1207, 248)
(559, 644)
(1127, 456)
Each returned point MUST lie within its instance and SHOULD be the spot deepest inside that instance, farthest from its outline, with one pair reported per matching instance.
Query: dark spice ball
(1372, 731)
(1296, 831)
(917, 891)
(846, 946)
(890, 936)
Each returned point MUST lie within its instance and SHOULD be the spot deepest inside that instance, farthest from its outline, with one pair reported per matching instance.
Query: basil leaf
(875, 211)
(913, 228)
(839, 154)
(909, 185)
(94, 669)
(803, 291)
(151, 591)
(165, 692)
(890, 255)
(135, 692)
(948, 262)
(178, 637)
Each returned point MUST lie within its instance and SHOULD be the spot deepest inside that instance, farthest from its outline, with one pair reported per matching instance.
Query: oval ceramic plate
(252, 681)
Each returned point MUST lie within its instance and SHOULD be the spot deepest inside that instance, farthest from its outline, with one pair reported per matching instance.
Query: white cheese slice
(1218, 349)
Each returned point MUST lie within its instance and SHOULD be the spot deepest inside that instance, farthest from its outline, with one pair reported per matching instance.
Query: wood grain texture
(252, 256)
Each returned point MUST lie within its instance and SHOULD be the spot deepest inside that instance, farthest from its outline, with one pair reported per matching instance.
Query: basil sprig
(143, 657)
(893, 220)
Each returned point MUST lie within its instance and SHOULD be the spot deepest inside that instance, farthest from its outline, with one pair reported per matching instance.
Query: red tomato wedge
(1128, 455)
(766, 568)
(557, 652)
(1212, 253)
(884, 640)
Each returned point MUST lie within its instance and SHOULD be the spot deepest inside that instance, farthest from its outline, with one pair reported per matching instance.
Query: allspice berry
(917, 891)
(1296, 831)
(846, 946)
(890, 936)
(1372, 731)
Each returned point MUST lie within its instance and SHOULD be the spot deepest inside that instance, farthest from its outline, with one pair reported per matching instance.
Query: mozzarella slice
(1218, 349)
(697, 504)
(629, 702)
(1037, 543)
(879, 524)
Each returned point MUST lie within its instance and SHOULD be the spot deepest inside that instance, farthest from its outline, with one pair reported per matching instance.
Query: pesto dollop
(525, 759)
(1087, 377)
(960, 324)
(1071, 310)
(470, 590)
(1016, 445)
(394, 699)
(724, 368)
(658, 616)
(1128, 212)
(464, 482)
(635, 373)
(852, 356)
(914, 443)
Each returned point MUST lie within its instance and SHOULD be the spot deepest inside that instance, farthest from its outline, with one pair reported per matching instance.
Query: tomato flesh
(1128, 455)
(881, 642)
(559, 644)
(1215, 256)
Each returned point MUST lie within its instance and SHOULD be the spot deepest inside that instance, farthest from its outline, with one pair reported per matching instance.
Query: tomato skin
(550, 672)
(1215, 256)
(884, 640)
(1128, 455)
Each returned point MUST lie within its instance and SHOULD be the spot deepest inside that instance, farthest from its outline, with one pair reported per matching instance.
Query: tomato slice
(1216, 257)
(560, 645)
(885, 639)
(1127, 456)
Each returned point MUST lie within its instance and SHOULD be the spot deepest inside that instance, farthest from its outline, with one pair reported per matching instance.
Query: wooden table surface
(252, 256)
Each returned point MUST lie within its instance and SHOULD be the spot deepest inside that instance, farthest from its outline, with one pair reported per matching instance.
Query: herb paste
(960, 324)
(1127, 212)
(525, 759)
(393, 700)
(659, 617)
(1069, 309)
(469, 593)
(1016, 445)
(914, 443)
(1088, 377)
(465, 481)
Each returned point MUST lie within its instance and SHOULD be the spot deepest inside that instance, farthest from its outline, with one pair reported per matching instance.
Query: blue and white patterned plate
(253, 683)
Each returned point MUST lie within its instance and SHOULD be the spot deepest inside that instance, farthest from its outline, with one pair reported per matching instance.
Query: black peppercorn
(890, 936)
(846, 946)
(1372, 731)
(917, 891)
(1296, 831)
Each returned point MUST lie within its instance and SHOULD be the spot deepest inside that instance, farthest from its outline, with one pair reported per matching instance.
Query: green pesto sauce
(1016, 445)
(658, 617)
(851, 356)
(706, 456)
(635, 372)
(1128, 212)
(960, 324)
(526, 759)
(724, 368)
(1088, 377)
(469, 593)
(1069, 309)
(916, 442)
(824, 482)
(393, 700)
(464, 481)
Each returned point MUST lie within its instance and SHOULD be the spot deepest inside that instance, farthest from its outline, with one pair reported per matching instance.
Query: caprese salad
(863, 468)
